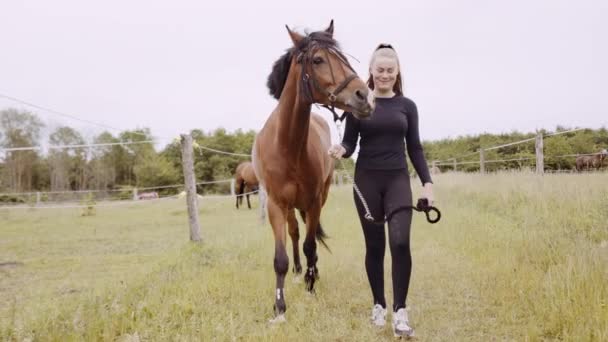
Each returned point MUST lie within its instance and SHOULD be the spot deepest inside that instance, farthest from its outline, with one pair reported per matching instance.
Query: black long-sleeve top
(382, 144)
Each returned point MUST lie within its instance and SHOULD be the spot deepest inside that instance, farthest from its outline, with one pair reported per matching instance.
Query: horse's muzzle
(362, 104)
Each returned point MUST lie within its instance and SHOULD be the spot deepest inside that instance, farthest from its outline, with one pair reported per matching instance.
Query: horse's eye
(317, 60)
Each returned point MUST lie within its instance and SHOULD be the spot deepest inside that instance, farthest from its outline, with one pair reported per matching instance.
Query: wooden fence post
(190, 183)
(540, 158)
(455, 164)
(482, 161)
(434, 167)
(135, 194)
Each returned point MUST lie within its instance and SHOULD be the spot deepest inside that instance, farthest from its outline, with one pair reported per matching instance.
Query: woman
(382, 177)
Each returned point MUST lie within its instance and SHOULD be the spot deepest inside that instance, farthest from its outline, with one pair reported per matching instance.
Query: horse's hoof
(310, 286)
(278, 319)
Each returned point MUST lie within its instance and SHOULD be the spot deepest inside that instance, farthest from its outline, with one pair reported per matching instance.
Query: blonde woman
(382, 176)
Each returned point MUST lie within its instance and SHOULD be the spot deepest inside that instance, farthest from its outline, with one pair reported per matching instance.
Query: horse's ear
(330, 29)
(295, 37)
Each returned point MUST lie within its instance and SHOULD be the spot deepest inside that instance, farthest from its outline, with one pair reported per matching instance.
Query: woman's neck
(383, 93)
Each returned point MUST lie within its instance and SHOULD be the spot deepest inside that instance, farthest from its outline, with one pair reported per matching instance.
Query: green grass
(515, 257)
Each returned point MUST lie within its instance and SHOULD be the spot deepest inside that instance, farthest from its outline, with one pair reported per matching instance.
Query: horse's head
(325, 75)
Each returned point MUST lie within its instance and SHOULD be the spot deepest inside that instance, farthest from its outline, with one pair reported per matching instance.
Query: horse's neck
(294, 118)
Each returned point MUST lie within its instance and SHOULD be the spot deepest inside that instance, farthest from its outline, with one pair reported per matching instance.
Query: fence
(538, 160)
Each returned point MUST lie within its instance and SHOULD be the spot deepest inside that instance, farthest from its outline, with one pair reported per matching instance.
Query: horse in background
(245, 182)
(289, 154)
(590, 162)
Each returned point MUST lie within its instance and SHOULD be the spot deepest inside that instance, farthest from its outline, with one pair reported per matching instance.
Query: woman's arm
(414, 147)
(351, 135)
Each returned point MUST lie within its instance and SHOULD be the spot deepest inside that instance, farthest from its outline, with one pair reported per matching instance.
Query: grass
(515, 257)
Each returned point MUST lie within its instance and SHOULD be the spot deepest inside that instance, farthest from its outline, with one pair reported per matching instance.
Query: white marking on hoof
(279, 319)
(406, 336)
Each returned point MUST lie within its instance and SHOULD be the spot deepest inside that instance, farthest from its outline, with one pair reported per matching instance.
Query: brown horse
(290, 152)
(589, 162)
(244, 180)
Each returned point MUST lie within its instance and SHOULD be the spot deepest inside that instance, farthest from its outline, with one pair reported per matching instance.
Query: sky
(172, 66)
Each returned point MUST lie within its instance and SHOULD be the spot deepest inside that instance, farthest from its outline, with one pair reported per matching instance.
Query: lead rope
(422, 205)
(368, 214)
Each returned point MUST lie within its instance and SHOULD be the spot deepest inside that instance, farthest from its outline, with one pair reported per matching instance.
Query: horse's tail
(321, 236)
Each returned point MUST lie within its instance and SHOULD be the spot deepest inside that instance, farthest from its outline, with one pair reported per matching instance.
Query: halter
(309, 78)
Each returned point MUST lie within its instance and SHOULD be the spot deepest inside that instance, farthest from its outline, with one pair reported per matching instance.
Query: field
(515, 257)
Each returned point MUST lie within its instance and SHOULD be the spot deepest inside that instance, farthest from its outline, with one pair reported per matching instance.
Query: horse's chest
(297, 192)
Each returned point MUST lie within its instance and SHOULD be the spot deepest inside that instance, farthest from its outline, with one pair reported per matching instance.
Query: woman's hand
(336, 151)
(427, 192)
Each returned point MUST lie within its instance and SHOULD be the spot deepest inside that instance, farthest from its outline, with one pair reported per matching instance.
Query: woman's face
(384, 71)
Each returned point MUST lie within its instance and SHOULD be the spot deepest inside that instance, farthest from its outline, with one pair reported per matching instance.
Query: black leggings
(385, 190)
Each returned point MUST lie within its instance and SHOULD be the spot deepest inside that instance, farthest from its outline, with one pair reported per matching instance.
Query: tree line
(558, 149)
(138, 163)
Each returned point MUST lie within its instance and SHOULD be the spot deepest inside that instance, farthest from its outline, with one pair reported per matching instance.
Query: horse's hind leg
(239, 192)
(248, 203)
(294, 233)
(310, 246)
(278, 218)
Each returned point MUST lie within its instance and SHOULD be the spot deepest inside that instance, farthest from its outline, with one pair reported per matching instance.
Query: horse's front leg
(278, 219)
(294, 233)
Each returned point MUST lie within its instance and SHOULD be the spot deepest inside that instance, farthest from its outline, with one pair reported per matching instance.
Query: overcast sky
(471, 66)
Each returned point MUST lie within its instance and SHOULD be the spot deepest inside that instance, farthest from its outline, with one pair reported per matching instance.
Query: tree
(68, 165)
(555, 148)
(19, 129)
(210, 166)
(155, 170)
(104, 162)
(128, 155)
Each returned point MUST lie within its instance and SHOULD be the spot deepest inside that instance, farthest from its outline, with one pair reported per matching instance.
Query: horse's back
(242, 166)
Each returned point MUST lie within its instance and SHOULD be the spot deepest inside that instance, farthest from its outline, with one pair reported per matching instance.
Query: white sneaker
(378, 315)
(401, 324)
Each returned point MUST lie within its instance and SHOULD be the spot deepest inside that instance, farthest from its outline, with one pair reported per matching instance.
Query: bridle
(309, 77)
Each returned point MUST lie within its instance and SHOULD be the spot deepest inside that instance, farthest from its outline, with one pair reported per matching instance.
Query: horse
(589, 162)
(244, 179)
(289, 154)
